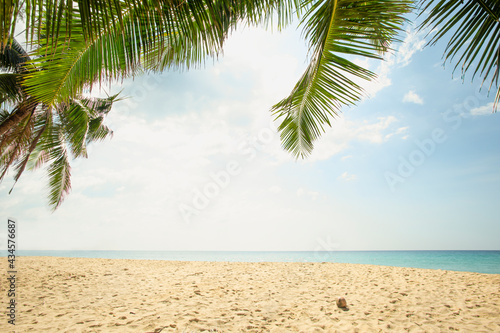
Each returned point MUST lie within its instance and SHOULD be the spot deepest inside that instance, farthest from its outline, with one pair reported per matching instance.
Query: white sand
(102, 295)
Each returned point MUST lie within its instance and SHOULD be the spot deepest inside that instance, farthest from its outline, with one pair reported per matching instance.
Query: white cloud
(346, 157)
(347, 177)
(374, 132)
(413, 42)
(482, 110)
(412, 97)
(343, 132)
(401, 130)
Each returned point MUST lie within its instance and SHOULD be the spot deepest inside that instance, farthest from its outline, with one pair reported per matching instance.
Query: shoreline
(461, 261)
(254, 262)
(137, 295)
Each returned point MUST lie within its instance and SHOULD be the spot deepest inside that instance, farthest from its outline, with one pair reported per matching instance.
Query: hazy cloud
(343, 132)
(482, 110)
(347, 177)
(412, 97)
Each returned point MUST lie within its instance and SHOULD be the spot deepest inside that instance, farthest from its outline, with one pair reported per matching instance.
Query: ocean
(468, 261)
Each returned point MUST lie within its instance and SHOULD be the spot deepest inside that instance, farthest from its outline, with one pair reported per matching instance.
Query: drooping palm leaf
(40, 124)
(59, 170)
(82, 122)
(335, 28)
(472, 29)
(34, 134)
(99, 41)
(12, 146)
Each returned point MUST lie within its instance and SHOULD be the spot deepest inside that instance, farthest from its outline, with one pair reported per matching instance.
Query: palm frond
(59, 173)
(10, 89)
(98, 41)
(9, 10)
(39, 129)
(59, 170)
(13, 56)
(472, 31)
(66, 66)
(99, 108)
(75, 120)
(13, 146)
(22, 110)
(335, 28)
(82, 122)
(40, 155)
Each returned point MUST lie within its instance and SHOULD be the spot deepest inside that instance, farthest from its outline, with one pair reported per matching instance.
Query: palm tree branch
(22, 165)
(17, 142)
(354, 28)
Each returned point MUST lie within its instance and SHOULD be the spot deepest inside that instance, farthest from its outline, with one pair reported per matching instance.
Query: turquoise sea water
(470, 261)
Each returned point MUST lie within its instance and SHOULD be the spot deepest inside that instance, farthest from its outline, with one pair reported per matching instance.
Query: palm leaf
(82, 122)
(10, 89)
(349, 27)
(39, 129)
(472, 30)
(65, 67)
(59, 173)
(89, 48)
(13, 146)
(75, 120)
(13, 57)
(9, 10)
(99, 108)
(100, 41)
(59, 170)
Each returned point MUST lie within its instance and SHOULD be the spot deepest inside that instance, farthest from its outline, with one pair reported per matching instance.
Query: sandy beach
(118, 295)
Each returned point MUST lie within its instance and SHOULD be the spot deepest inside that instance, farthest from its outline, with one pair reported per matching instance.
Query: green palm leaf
(13, 146)
(472, 29)
(59, 170)
(45, 135)
(40, 124)
(13, 57)
(10, 91)
(99, 41)
(91, 47)
(9, 11)
(82, 122)
(335, 28)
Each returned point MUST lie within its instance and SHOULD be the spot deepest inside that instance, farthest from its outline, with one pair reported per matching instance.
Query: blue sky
(195, 162)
